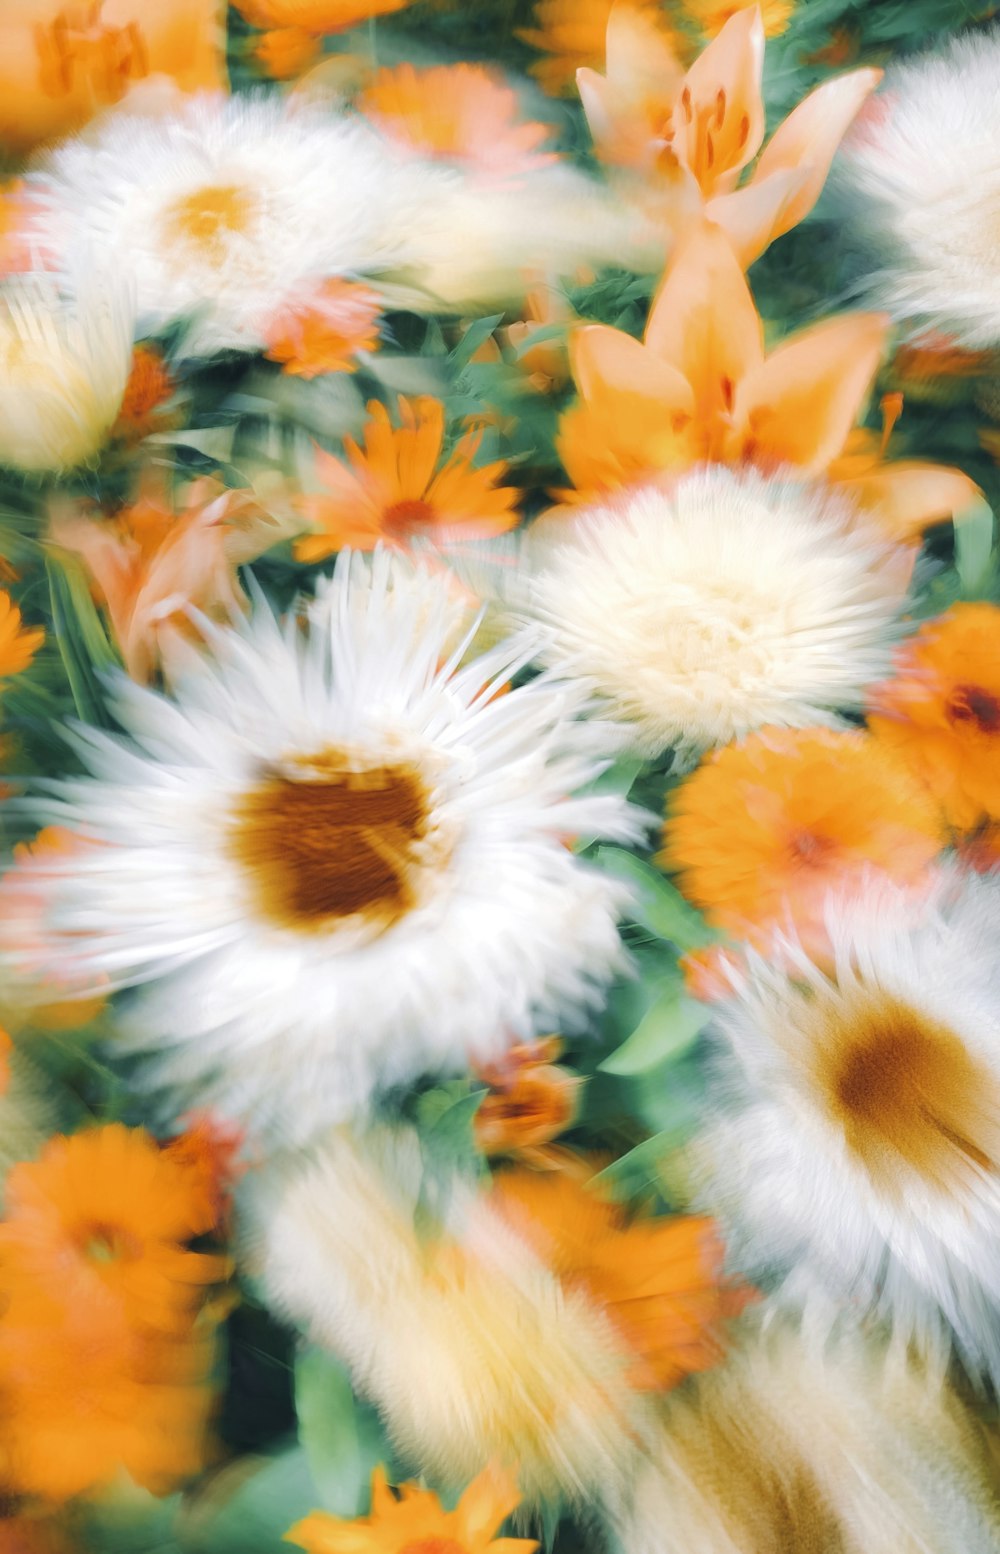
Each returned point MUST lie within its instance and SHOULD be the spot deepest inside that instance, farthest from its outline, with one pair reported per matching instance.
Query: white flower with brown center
(856, 1143)
(925, 161)
(338, 860)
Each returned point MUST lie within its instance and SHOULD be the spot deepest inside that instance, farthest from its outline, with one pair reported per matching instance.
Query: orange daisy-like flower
(395, 488)
(530, 1102)
(286, 52)
(99, 1222)
(658, 1280)
(325, 332)
(413, 1521)
(941, 711)
(316, 16)
(572, 33)
(464, 113)
(148, 388)
(763, 830)
(18, 643)
(712, 15)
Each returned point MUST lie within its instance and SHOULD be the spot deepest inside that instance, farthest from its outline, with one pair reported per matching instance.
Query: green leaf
(268, 1498)
(539, 336)
(973, 546)
(83, 643)
(658, 906)
(476, 335)
(342, 1438)
(665, 1033)
(634, 1171)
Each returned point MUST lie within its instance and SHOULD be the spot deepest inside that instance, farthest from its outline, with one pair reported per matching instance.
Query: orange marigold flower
(148, 388)
(464, 113)
(531, 1100)
(764, 829)
(941, 711)
(395, 488)
(413, 1521)
(573, 33)
(208, 1152)
(325, 332)
(285, 52)
(316, 16)
(658, 1279)
(712, 15)
(98, 1223)
(18, 643)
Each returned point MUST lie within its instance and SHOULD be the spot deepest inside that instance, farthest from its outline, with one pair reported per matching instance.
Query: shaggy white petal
(721, 605)
(290, 1023)
(926, 163)
(798, 1449)
(469, 1347)
(855, 1141)
(65, 357)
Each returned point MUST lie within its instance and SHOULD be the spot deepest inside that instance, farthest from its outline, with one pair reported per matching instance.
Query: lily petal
(910, 496)
(704, 323)
(799, 407)
(753, 216)
(607, 361)
(721, 102)
(809, 138)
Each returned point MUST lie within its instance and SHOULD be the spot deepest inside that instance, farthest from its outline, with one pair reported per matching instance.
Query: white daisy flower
(337, 860)
(65, 356)
(855, 1148)
(723, 604)
(926, 159)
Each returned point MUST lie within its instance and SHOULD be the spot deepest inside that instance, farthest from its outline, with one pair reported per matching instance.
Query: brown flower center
(206, 218)
(333, 843)
(975, 707)
(903, 1087)
(809, 850)
(404, 518)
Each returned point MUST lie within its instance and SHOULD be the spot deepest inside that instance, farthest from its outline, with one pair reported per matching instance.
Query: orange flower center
(977, 708)
(434, 1546)
(901, 1085)
(207, 217)
(107, 1243)
(79, 50)
(335, 845)
(809, 850)
(402, 519)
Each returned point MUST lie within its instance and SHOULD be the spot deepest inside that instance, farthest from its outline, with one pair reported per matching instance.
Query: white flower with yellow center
(226, 210)
(336, 861)
(723, 604)
(855, 1147)
(926, 161)
(64, 362)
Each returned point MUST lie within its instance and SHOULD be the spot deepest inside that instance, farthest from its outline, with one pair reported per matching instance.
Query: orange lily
(699, 387)
(692, 134)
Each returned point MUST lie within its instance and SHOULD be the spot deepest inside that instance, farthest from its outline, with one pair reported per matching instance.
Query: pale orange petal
(753, 216)
(909, 496)
(703, 320)
(799, 406)
(723, 90)
(809, 138)
(607, 361)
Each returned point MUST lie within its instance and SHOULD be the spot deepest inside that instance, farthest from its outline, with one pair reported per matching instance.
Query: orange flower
(417, 1523)
(393, 490)
(574, 33)
(22, 911)
(324, 332)
(148, 388)
(712, 15)
(658, 1280)
(18, 643)
(98, 1223)
(285, 52)
(980, 849)
(207, 1152)
(933, 355)
(151, 563)
(699, 387)
(316, 16)
(763, 830)
(464, 113)
(693, 133)
(60, 64)
(6, 1048)
(545, 364)
(531, 1100)
(941, 711)
(709, 974)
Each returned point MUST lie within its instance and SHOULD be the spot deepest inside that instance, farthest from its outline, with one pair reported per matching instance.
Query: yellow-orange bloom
(285, 52)
(692, 134)
(148, 389)
(60, 64)
(413, 1521)
(941, 711)
(659, 1281)
(462, 113)
(712, 15)
(765, 829)
(699, 387)
(316, 16)
(325, 331)
(572, 33)
(395, 488)
(530, 1102)
(18, 643)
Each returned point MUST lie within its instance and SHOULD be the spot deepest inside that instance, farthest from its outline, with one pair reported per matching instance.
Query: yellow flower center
(333, 844)
(206, 219)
